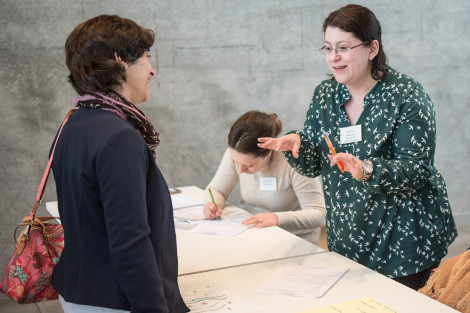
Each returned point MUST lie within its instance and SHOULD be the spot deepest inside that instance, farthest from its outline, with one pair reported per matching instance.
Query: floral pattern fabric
(399, 222)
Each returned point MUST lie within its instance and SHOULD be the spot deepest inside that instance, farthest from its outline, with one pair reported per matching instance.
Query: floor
(461, 244)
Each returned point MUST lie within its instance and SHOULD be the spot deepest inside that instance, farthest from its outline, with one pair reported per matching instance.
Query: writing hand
(211, 211)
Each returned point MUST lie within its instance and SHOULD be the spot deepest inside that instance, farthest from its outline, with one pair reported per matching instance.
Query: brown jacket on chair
(450, 283)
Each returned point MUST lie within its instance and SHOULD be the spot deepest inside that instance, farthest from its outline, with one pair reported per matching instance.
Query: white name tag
(350, 134)
(267, 184)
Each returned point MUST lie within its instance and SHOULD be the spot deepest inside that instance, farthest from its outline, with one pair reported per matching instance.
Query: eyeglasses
(342, 50)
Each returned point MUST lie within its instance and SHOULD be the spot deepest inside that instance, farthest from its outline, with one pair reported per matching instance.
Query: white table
(358, 282)
(203, 252)
(241, 263)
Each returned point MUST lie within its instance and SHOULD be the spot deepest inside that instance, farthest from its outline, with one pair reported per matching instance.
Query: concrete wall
(216, 59)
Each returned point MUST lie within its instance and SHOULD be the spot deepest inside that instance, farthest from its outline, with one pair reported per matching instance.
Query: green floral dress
(399, 222)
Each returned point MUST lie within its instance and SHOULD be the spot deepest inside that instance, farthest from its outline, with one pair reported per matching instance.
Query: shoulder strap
(42, 186)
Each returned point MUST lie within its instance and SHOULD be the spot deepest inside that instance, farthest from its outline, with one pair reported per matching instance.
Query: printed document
(301, 281)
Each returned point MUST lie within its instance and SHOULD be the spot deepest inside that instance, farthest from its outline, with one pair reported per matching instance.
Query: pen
(212, 197)
(332, 149)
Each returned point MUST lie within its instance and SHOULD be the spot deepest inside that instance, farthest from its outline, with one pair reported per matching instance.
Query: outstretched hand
(290, 142)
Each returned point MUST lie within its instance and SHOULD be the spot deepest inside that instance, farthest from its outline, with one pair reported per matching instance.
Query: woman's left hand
(351, 164)
(262, 220)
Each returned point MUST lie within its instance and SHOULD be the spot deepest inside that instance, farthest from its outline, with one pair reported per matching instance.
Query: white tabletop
(358, 282)
(203, 252)
(241, 263)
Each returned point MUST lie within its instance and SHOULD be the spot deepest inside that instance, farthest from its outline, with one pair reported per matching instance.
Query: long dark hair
(364, 25)
(244, 133)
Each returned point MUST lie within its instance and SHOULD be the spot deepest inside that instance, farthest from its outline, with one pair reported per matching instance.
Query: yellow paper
(363, 305)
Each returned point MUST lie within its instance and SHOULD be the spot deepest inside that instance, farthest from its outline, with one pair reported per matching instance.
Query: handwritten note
(213, 298)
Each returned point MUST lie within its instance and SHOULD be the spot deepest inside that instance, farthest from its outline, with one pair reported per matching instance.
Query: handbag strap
(42, 186)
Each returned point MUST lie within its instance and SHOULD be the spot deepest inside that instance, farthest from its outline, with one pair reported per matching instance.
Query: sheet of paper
(220, 227)
(300, 281)
(363, 305)
(181, 201)
(214, 298)
(190, 214)
(234, 213)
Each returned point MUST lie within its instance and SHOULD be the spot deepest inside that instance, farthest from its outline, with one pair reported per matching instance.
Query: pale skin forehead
(335, 35)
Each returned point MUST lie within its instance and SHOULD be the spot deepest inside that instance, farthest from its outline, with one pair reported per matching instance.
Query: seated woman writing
(276, 193)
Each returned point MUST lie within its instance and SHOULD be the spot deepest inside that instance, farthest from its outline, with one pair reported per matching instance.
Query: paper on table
(213, 298)
(220, 227)
(234, 213)
(363, 305)
(191, 215)
(181, 201)
(230, 224)
(300, 281)
(187, 209)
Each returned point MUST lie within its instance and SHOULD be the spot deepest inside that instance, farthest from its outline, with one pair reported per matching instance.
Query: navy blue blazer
(115, 207)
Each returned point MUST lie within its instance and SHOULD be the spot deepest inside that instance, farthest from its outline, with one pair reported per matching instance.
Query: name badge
(267, 184)
(350, 134)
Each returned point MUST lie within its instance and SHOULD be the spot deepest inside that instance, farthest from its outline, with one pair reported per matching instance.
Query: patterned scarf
(116, 103)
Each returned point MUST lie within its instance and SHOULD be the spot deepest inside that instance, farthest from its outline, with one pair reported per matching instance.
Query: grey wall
(216, 59)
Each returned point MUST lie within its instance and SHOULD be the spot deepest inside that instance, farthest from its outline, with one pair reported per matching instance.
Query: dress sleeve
(224, 181)
(309, 193)
(308, 162)
(122, 165)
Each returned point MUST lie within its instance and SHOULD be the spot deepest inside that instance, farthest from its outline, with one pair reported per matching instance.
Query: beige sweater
(298, 201)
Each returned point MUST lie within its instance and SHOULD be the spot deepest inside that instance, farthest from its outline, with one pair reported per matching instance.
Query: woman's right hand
(211, 211)
(290, 142)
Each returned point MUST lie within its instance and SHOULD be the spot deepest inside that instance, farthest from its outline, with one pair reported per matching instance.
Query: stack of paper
(187, 209)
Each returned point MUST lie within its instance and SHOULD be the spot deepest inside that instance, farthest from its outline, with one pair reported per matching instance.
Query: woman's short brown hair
(91, 47)
(244, 133)
(364, 25)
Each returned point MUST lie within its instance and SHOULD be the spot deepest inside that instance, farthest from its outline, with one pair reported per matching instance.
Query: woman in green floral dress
(389, 209)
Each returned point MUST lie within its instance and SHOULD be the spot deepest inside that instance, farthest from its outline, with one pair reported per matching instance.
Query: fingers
(262, 220)
(296, 148)
(256, 220)
(266, 142)
(211, 211)
(250, 221)
(348, 163)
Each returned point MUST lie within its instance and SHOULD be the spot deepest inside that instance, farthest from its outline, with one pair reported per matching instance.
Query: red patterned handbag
(27, 278)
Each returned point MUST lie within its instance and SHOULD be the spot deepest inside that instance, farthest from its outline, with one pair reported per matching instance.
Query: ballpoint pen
(332, 149)
(212, 197)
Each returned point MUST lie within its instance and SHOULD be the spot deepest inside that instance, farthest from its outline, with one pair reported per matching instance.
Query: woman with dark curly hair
(387, 205)
(114, 204)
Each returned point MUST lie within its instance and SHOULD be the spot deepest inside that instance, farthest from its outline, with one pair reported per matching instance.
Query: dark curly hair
(364, 25)
(91, 47)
